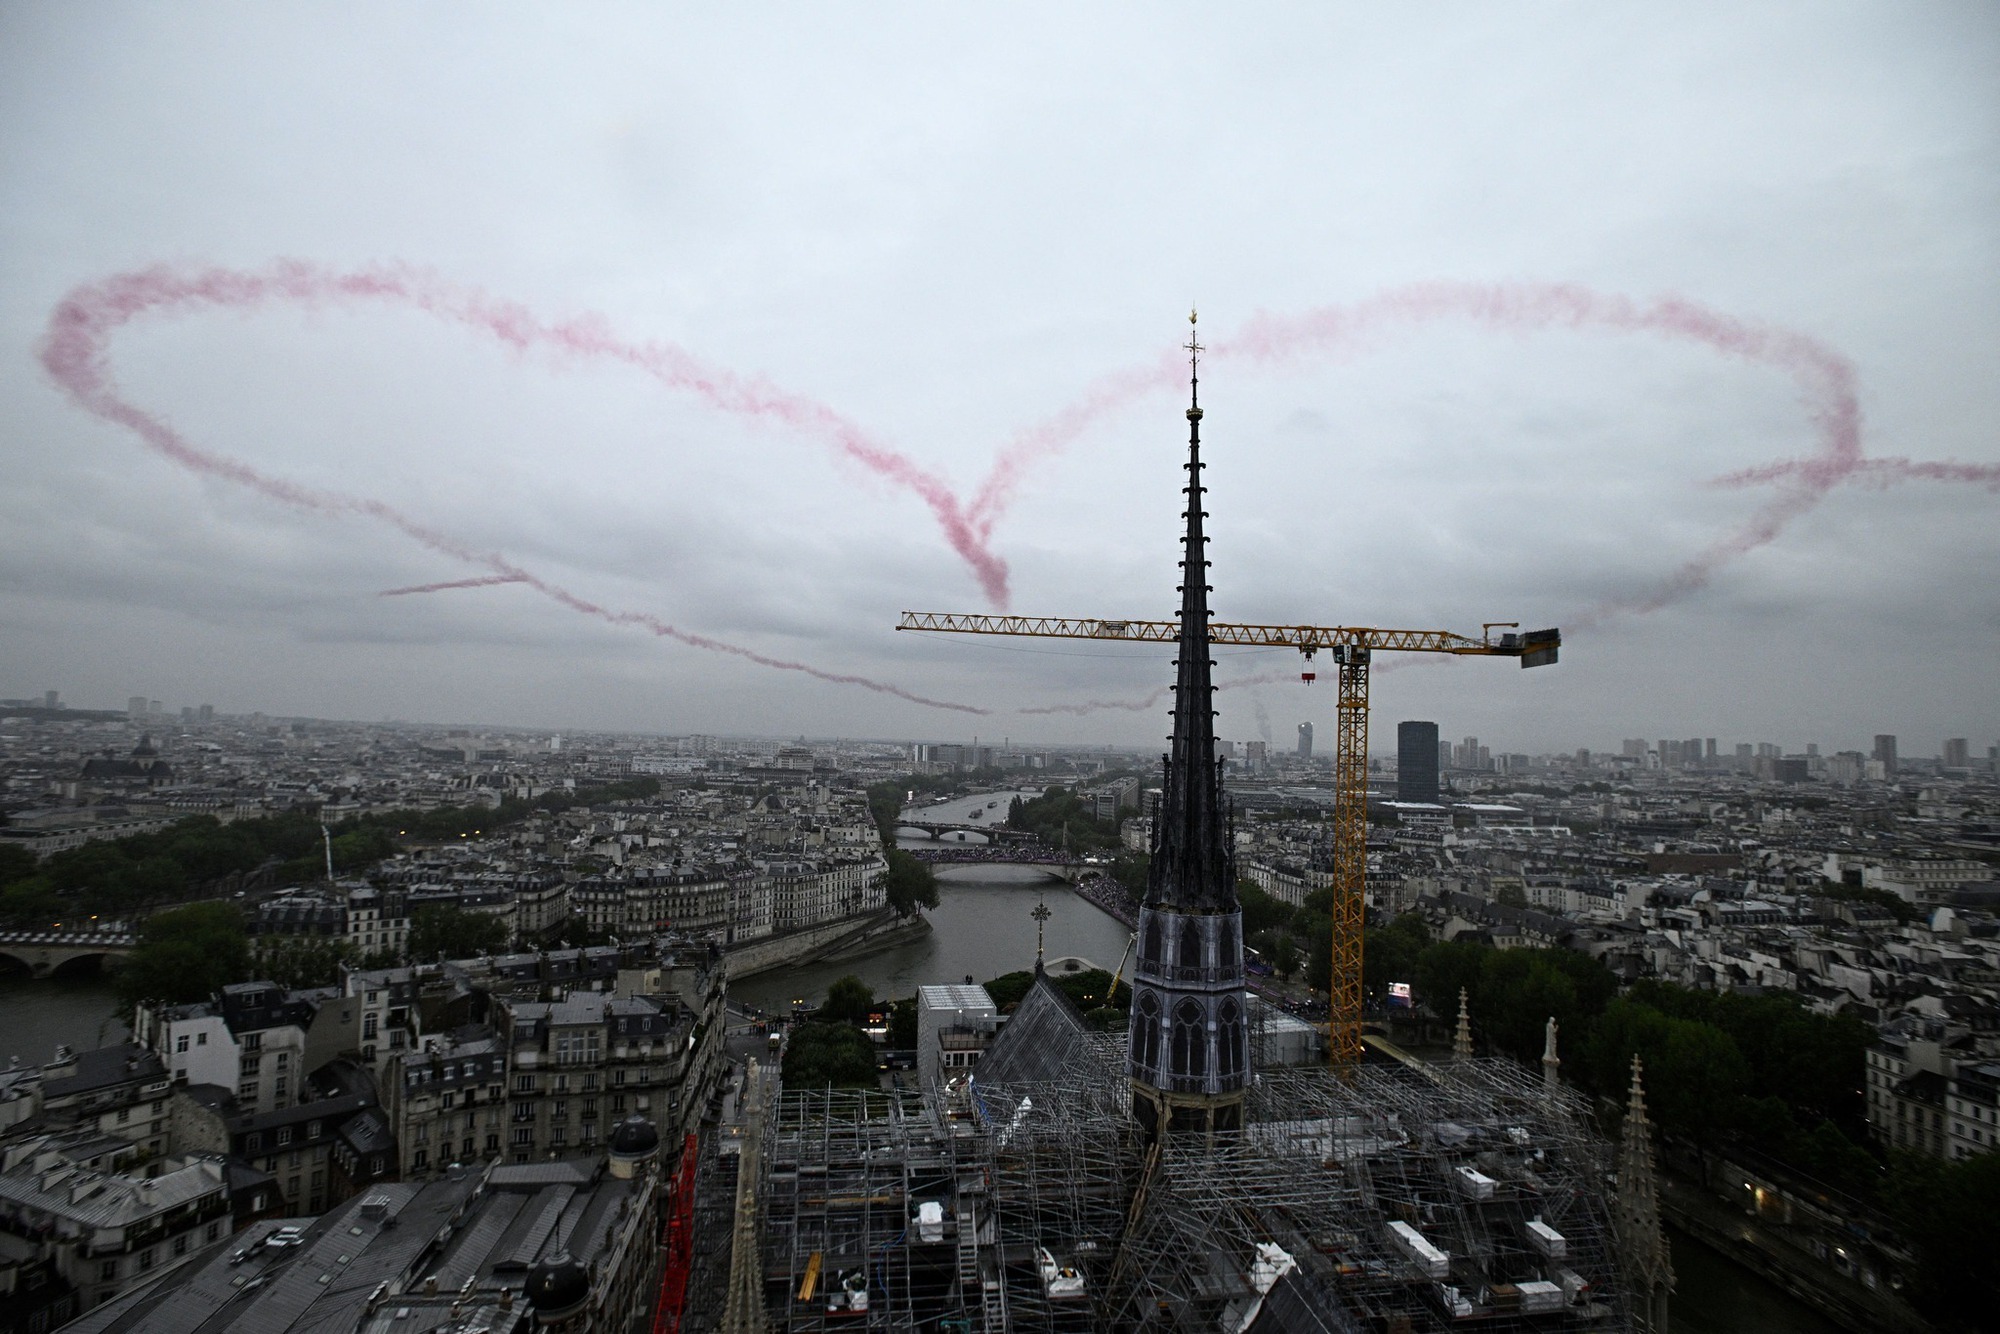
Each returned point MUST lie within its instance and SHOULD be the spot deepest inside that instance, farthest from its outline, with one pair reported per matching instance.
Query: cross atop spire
(1194, 351)
(1041, 914)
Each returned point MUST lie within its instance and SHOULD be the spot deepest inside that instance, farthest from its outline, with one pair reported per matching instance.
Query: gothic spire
(1637, 1214)
(1461, 1041)
(1193, 866)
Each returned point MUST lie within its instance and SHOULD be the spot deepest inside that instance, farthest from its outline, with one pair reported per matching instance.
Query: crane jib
(1536, 648)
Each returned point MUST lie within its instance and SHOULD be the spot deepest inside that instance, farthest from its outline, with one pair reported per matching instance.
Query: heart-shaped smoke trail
(75, 353)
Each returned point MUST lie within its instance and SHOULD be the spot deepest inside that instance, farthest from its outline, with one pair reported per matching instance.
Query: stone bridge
(1062, 865)
(995, 831)
(44, 953)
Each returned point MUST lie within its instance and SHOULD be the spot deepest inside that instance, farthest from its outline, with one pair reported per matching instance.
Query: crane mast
(1352, 649)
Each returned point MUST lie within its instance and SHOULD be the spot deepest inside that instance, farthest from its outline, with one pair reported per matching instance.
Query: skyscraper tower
(1189, 1054)
(1305, 741)
(1416, 761)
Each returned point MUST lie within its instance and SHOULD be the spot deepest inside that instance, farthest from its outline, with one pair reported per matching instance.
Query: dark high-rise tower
(1189, 1055)
(1305, 741)
(1416, 761)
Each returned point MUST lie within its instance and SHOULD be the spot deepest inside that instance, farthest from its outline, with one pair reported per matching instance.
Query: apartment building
(255, 1039)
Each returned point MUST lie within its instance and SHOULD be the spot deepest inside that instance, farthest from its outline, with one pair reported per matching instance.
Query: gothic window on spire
(1190, 1040)
(1152, 951)
(1146, 1044)
(1229, 1041)
(1190, 945)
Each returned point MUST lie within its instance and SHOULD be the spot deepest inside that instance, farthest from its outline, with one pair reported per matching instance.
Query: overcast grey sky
(945, 227)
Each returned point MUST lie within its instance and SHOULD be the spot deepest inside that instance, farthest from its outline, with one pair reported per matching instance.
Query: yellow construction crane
(1352, 648)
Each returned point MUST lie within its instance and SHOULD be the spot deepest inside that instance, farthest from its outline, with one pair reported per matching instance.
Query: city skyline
(1969, 750)
(957, 238)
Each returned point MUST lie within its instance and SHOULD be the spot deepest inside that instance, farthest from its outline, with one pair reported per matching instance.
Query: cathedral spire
(1193, 866)
(1461, 1041)
(1189, 1050)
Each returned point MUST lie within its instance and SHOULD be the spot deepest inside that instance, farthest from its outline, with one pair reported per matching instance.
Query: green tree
(1695, 1075)
(16, 862)
(1951, 1211)
(1060, 816)
(903, 1024)
(300, 961)
(909, 884)
(1442, 970)
(1390, 953)
(184, 954)
(1261, 911)
(445, 931)
(1131, 870)
(819, 1055)
(848, 1001)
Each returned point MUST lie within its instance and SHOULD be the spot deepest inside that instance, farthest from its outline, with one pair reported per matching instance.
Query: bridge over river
(1056, 862)
(44, 953)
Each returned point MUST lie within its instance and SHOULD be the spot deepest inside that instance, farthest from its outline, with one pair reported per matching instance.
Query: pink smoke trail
(1879, 473)
(1338, 334)
(85, 321)
(484, 581)
(74, 352)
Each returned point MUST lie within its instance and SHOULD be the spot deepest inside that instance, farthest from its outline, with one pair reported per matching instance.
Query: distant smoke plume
(1263, 717)
(485, 581)
(75, 353)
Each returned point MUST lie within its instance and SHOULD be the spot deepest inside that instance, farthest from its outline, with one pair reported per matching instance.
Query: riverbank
(829, 941)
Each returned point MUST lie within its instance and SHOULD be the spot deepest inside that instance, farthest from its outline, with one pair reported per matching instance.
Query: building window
(181, 1245)
(181, 1043)
(145, 1259)
(107, 1271)
(284, 1134)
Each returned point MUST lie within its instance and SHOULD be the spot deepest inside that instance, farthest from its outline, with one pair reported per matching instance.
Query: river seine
(981, 928)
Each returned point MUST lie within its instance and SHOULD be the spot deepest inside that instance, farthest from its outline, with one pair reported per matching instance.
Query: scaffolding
(1053, 1215)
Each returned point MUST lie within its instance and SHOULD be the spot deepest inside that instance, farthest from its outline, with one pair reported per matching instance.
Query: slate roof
(1047, 1041)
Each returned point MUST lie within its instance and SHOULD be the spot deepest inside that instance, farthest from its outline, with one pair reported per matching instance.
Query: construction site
(1175, 1176)
(1382, 1199)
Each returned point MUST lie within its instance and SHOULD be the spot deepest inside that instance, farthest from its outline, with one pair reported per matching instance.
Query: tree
(184, 954)
(444, 931)
(1261, 911)
(819, 1055)
(903, 1024)
(848, 1001)
(301, 961)
(16, 862)
(1952, 1212)
(1390, 954)
(909, 884)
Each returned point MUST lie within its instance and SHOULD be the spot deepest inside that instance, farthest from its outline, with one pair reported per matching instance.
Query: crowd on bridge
(1035, 854)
